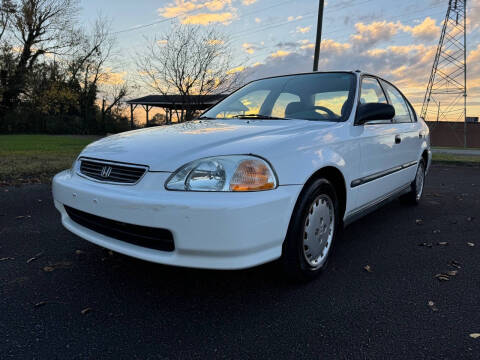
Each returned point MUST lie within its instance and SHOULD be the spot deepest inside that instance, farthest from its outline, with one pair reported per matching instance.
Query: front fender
(297, 167)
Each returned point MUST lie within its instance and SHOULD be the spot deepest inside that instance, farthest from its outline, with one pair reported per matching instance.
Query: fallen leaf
(368, 268)
(455, 264)
(475, 335)
(419, 221)
(436, 231)
(470, 244)
(60, 265)
(6, 258)
(110, 252)
(79, 252)
(425, 244)
(452, 272)
(86, 311)
(41, 303)
(34, 257)
(442, 277)
(432, 306)
(443, 243)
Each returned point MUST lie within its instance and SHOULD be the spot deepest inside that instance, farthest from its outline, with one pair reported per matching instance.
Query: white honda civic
(271, 172)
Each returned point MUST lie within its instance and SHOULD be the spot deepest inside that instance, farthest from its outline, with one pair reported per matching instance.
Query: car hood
(166, 148)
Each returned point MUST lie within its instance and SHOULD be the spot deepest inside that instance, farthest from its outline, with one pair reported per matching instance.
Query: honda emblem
(106, 170)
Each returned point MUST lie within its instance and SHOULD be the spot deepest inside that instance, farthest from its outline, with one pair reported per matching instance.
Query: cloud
(307, 46)
(251, 48)
(279, 53)
(248, 48)
(287, 44)
(236, 70)
(248, 2)
(369, 34)
(220, 11)
(304, 30)
(215, 42)
(426, 30)
(291, 18)
(224, 18)
(109, 77)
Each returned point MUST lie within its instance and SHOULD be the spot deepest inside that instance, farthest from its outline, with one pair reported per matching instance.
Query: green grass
(454, 158)
(36, 158)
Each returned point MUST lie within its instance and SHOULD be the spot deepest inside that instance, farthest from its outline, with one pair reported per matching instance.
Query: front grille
(112, 172)
(148, 237)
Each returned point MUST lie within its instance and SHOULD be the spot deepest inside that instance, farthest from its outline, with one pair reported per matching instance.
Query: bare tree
(115, 93)
(189, 60)
(37, 27)
(7, 9)
(87, 63)
(94, 49)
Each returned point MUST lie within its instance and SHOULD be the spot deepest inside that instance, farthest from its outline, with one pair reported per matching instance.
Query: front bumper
(210, 229)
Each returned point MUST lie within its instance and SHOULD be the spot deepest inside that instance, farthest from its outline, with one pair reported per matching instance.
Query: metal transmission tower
(446, 95)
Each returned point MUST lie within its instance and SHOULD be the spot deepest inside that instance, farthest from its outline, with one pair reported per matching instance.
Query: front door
(379, 147)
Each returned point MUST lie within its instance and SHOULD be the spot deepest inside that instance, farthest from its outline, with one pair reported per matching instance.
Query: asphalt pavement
(64, 298)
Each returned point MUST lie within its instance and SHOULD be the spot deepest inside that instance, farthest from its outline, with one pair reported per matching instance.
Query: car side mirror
(374, 111)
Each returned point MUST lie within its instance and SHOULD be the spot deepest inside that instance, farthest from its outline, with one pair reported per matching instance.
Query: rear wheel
(416, 188)
(312, 231)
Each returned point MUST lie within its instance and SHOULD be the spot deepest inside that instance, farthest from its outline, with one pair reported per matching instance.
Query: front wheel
(312, 231)
(416, 188)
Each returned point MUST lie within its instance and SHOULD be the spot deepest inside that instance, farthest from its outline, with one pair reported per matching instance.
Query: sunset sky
(395, 39)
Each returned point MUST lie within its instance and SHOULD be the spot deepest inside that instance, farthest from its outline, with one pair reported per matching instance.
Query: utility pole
(319, 35)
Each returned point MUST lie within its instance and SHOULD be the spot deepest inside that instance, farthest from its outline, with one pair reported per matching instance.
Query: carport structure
(181, 104)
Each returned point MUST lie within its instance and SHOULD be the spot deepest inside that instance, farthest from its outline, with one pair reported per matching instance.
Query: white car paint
(226, 230)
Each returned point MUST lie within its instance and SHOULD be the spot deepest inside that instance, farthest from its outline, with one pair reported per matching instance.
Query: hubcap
(318, 231)
(419, 180)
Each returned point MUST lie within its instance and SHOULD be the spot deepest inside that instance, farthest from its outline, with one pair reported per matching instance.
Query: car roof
(308, 73)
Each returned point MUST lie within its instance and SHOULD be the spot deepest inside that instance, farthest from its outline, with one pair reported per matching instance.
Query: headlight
(224, 173)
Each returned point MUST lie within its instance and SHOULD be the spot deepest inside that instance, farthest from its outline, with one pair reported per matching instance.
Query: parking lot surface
(62, 297)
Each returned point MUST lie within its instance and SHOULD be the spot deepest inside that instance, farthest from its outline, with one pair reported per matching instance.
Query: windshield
(318, 96)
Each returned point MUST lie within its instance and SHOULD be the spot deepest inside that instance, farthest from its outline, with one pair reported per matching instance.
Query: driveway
(62, 297)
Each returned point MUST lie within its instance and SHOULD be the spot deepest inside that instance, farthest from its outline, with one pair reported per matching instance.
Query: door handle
(398, 139)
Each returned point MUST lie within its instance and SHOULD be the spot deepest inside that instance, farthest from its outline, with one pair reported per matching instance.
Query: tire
(416, 188)
(313, 229)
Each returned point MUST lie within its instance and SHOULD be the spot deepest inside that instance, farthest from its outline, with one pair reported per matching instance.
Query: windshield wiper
(258, 116)
(205, 118)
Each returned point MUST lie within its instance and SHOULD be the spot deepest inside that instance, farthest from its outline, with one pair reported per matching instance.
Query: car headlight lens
(224, 173)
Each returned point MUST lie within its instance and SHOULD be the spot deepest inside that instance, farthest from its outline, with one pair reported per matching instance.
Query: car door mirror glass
(374, 111)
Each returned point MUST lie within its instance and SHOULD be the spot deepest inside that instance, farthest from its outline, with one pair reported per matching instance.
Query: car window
(281, 103)
(413, 115)
(315, 96)
(248, 104)
(371, 91)
(401, 110)
(333, 100)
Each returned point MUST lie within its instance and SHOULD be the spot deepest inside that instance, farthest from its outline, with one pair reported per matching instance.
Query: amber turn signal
(252, 175)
